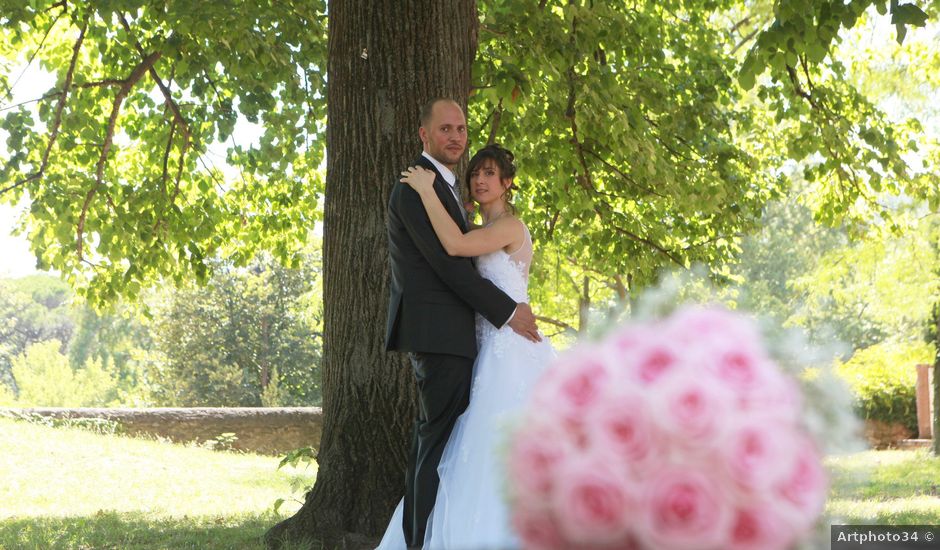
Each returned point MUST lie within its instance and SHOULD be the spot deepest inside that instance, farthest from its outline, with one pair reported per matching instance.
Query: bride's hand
(420, 179)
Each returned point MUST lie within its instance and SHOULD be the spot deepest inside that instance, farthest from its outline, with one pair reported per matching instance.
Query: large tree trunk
(386, 58)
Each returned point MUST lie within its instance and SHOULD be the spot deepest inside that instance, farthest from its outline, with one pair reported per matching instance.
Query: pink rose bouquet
(682, 433)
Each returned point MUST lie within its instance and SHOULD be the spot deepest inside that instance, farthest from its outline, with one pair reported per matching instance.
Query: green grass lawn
(888, 487)
(73, 489)
(70, 488)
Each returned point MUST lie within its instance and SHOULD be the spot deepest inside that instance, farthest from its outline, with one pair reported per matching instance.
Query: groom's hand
(523, 323)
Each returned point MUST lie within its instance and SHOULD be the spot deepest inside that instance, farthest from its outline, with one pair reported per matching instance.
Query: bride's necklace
(494, 218)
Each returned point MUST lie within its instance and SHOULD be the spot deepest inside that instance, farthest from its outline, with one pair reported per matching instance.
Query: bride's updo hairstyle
(503, 159)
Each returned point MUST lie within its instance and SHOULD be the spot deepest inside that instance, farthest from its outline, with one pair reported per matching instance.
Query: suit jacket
(433, 295)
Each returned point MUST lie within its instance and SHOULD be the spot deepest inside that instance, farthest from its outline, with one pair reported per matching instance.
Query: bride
(470, 511)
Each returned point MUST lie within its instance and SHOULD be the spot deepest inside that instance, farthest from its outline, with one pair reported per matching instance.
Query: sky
(15, 258)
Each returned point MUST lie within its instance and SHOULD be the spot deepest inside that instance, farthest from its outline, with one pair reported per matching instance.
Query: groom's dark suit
(431, 315)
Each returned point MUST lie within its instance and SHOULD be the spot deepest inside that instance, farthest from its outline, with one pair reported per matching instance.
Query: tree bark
(584, 306)
(386, 58)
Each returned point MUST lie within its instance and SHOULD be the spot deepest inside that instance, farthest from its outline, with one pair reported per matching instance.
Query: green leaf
(815, 52)
(749, 70)
(908, 14)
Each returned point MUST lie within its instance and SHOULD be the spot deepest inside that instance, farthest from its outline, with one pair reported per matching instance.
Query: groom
(431, 308)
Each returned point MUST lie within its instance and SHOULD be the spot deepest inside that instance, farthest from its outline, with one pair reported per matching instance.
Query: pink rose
(684, 509)
(537, 529)
(693, 409)
(652, 359)
(802, 491)
(571, 387)
(534, 456)
(643, 353)
(620, 425)
(595, 502)
(742, 366)
(758, 528)
(728, 343)
(623, 345)
(778, 395)
(757, 451)
(698, 324)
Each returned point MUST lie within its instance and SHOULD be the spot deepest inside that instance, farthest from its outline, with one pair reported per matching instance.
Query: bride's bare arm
(479, 241)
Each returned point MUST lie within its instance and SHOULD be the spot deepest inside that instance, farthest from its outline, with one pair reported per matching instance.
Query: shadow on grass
(887, 487)
(137, 530)
(887, 474)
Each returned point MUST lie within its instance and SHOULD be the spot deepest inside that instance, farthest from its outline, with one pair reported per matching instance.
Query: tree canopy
(123, 186)
(637, 147)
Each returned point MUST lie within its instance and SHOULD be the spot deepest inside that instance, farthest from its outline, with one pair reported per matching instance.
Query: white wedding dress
(471, 512)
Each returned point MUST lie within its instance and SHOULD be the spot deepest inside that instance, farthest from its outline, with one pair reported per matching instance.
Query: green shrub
(7, 399)
(45, 379)
(883, 379)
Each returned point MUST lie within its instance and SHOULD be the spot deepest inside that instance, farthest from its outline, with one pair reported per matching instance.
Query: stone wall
(267, 430)
(884, 435)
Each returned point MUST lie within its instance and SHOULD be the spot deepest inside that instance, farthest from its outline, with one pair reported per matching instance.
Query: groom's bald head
(428, 109)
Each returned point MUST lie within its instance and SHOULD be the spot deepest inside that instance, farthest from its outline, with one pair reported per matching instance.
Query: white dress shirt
(451, 180)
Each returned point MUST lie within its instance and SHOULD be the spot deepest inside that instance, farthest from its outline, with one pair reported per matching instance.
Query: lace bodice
(510, 272)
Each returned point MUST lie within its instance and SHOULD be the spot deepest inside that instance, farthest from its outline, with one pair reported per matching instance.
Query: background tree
(32, 310)
(44, 376)
(788, 247)
(250, 337)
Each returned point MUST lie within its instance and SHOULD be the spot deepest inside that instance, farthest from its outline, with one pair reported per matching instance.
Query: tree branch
(623, 294)
(167, 95)
(494, 127)
(178, 118)
(126, 87)
(166, 156)
(560, 324)
(571, 114)
(668, 147)
(552, 223)
(652, 244)
(102, 83)
(798, 88)
(809, 81)
(490, 30)
(623, 175)
(741, 23)
(57, 119)
(179, 169)
(745, 40)
(58, 93)
(60, 4)
(715, 238)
